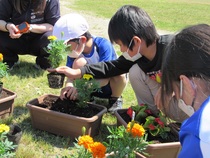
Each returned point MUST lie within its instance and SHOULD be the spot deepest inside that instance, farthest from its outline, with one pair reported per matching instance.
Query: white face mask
(135, 57)
(74, 53)
(188, 109)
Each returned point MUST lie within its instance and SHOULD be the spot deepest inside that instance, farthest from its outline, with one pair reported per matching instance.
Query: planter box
(6, 103)
(162, 150)
(63, 124)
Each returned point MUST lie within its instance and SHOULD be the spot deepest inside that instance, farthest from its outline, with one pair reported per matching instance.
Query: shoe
(43, 63)
(115, 104)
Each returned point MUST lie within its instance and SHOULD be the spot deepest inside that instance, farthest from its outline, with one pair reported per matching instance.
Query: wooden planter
(162, 150)
(63, 124)
(6, 103)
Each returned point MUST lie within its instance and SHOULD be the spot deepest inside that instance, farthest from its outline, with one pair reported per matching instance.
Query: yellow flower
(135, 129)
(4, 128)
(85, 140)
(53, 38)
(1, 57)
(87, 76)
(97, 149)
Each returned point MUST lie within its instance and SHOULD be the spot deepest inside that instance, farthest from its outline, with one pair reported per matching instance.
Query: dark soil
(4, 94)
(69, 107)
(173, 135)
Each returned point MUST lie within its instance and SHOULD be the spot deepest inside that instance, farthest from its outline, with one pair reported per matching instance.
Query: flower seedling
(155, 125)
(126, 141)
(6, 147)
(85, 86)
(3, 67)
(88, 148)
(57, 50)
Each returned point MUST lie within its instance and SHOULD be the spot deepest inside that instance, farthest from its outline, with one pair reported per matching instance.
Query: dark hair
(131, 21)
(87, 35)
(22, 5)
(187, 54)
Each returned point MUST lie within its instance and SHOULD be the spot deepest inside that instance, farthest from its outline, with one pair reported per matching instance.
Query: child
(88, 49)
(186, 72)
(132, 29)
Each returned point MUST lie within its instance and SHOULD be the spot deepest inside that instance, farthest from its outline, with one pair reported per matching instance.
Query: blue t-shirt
(102, 51)
(195, 133)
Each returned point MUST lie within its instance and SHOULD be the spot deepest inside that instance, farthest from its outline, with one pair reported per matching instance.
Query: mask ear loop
(181, 88)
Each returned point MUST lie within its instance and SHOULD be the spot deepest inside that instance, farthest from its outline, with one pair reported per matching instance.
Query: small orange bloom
(97, 149)
(136, 131)
(85, 140)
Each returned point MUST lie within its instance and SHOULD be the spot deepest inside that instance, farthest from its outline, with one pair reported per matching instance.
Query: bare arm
(69, 72)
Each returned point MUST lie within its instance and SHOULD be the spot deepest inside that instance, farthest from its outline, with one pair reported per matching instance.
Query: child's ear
(83, 39)
(136, 39)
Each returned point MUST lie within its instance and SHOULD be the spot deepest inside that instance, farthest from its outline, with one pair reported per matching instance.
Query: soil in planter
(4, 94)
(172, 137)
(68, 107)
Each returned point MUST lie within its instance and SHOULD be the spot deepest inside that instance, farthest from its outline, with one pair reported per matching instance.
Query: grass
(30, 83)
(170, 15)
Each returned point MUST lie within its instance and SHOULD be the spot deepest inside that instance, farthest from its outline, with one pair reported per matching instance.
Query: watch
(30, 28)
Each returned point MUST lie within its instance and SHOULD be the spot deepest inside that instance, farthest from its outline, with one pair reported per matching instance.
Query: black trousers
(30, 43)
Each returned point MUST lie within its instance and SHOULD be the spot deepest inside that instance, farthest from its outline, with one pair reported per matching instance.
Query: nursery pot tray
(7, 98)
(63, 124)
(159, 150)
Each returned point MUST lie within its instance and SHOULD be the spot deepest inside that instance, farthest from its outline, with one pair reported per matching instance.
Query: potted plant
(7, 147)
(66, 117)
(57, 52)
(122, 142)
(3, 71)
(6, 96)
(164, 135)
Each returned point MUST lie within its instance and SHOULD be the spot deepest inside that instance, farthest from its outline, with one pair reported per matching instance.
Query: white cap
(72, 25)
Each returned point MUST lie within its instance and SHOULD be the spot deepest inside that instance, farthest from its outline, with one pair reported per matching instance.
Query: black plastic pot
(14, 135)
(55, 79)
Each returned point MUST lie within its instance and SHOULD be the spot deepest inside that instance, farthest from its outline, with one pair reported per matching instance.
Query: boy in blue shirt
(88, 49)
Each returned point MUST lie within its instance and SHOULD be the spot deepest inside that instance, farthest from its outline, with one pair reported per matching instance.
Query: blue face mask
(133, 58)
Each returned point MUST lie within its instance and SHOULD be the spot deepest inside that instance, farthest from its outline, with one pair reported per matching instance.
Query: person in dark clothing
(40, 15)
(132, 29)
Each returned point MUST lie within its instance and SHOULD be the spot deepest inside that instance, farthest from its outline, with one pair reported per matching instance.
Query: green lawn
(171, 15)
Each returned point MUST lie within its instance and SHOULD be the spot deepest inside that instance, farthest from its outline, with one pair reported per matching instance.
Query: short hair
(87, 35)
(131, 21)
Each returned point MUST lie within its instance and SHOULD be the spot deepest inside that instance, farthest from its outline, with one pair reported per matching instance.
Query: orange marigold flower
(136, 131)
(85, 140)
(1, 57)
(97, 149)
